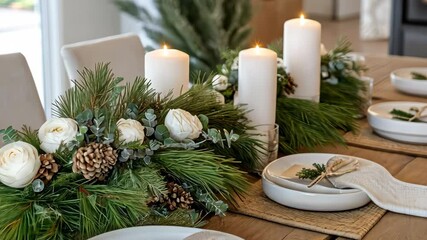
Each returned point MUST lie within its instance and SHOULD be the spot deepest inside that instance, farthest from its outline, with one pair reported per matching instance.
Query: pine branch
(30, 136)
(310, 173)
(143, 178)
(179, 217)
(404, 116)
(205, 170)
(200, 28)
(105, 208)
(138, 94)
(418, 76)
(304, 124)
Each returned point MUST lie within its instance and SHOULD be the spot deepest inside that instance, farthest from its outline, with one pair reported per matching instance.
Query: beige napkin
(384, 190)
(211, 235)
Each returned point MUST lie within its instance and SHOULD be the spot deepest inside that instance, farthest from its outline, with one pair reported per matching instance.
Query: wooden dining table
(406, 167)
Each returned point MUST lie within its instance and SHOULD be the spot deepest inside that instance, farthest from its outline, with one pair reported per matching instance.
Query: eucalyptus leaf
(83, 129)
(146, 122)
(154, 145)
(234, 137)
(84, 117)
(149, 131)
(204, 120)
(227, 137)
(168, 141)
(132, 111)
(149, 152)
(150, 116)
(9, 135)
(80, 137)
(147, 160)
(162, 132)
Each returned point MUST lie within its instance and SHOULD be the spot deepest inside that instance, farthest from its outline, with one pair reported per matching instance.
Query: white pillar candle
(301, 48)
(168, 69)
(258, 84)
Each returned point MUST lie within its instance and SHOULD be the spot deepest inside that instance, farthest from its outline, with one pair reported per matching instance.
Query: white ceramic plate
(155, 233)
(311, 201)
(402, 80)
(382, 122)
(274, 173)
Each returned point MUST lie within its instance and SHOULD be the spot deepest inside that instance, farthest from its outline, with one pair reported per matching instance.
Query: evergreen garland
(72, 207)
(305, 124)
(200, 28)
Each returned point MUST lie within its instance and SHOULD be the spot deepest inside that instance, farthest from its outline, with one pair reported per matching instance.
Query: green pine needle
(204, 169)
(418, 76)
(200, 28)
(310, 173)
(305, 124)
(179, 217)
(404, 116)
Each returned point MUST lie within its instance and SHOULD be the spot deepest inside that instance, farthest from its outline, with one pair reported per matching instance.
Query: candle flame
(165, 49)
(302, 18)
(257, 46)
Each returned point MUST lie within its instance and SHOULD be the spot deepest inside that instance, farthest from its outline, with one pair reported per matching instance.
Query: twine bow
(337, 166)
(418, 112)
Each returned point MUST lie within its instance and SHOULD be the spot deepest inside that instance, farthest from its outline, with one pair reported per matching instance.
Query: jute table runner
(351, 224)
(367, 138)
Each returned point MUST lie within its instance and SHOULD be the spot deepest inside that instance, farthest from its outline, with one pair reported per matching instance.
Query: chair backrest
(19, 101)
(124, 52)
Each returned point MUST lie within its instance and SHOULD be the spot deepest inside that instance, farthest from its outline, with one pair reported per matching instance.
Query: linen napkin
(384, 190)
(211, 235)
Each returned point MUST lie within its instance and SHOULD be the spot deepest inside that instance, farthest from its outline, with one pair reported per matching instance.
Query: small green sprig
(310, 173)
(405, 116)
(418, 76)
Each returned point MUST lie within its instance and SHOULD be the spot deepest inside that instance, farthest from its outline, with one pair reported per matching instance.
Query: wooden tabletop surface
(407, 168)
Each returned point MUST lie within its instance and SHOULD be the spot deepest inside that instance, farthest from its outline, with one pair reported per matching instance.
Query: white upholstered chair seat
(125, 54)
(19, 101)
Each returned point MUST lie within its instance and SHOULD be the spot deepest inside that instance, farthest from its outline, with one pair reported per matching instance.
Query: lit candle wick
(302, 19)
(257, 49)
(165, 49)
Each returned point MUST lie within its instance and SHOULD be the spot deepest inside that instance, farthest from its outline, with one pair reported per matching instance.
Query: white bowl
(402, 80)
(274, 172)
(383, 124)
(156, 233)
(312, 201)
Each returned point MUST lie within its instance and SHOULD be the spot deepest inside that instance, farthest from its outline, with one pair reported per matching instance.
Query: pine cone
(94, 160)
(177, 197)
(290, 85)
(48, 168)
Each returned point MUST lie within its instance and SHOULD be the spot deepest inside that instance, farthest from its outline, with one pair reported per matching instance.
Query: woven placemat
(351, 224)
(367, 138)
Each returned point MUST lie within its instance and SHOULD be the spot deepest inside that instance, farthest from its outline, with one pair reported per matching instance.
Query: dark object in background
(409, 28)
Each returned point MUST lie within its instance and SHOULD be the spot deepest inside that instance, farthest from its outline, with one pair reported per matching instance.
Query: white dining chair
(124, 52)
(19, 101)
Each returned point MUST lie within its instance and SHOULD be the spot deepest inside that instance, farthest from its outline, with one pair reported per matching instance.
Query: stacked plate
(282, 186)
(383, 124)
(403, 81)
(164, 233)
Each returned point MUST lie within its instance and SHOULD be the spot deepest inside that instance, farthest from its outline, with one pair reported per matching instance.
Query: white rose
(218, 97)
(56, 131)
(182, 125)
(220, 82)
(19, 164)
(130, 130)
(235, 64)
(280, 63)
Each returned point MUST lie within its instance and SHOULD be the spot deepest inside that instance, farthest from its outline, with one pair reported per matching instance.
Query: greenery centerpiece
(119, 156)
(306, 124)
